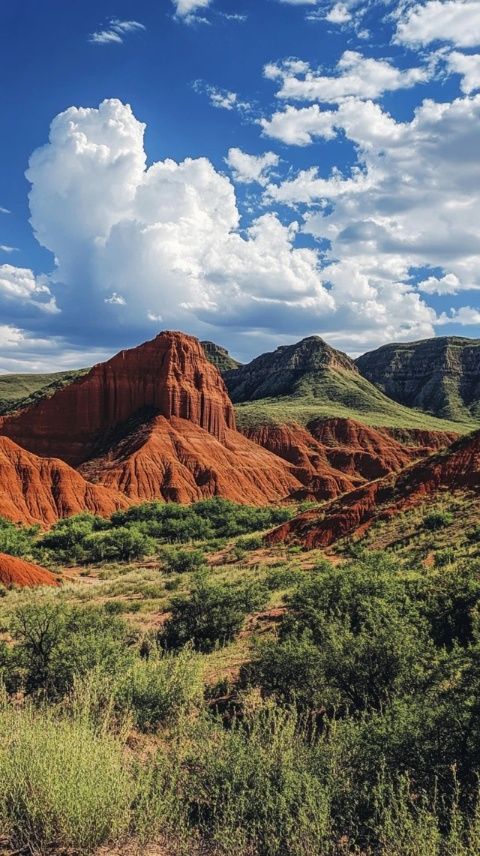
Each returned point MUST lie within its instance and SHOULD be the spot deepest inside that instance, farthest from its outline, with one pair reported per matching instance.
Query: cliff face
(168, 376)
(332, 456)
(458, 468)
(441, 376)
(280, 372)
(41, 490)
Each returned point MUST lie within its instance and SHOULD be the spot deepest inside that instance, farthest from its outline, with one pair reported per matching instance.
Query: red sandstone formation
(156, 422)
(17, 572)
(457, 468)
(41, 490)
(169, 376)
(332, 456)
(178, 461)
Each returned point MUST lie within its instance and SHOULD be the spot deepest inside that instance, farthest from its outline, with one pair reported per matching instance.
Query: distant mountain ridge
(311, 380)
(219, 357)
(440, 376)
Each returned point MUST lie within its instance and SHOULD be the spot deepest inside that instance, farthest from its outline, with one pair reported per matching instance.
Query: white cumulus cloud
(249, 168)
(453, 21)
(187, 9)
(354, 75)
(468, 66)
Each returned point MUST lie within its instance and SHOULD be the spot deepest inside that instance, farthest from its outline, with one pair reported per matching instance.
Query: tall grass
(62, 784)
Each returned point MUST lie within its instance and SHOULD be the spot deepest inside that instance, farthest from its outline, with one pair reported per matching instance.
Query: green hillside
(22, 390)
(310, 380)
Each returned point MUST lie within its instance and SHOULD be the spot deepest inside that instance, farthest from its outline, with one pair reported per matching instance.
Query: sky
(248, 171)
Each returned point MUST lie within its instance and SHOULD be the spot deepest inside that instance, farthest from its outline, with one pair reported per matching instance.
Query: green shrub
(17, 540)
(250, 542)
(211, 615)
(55, 644)
(182, 561)
(437, 520)
(124, 544)
(444, 557)
(250, 789)
(157, 690)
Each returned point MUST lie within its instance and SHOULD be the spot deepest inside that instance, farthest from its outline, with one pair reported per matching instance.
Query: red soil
(333, 456)
(457, 468)
(17, 572)
(41, 490)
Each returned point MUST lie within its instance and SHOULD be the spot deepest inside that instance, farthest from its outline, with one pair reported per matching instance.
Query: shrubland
(276, 704)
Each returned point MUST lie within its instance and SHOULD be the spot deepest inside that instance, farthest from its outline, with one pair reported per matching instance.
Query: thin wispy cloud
(5, 248)
(4, 210)
(222, 99)
(115, 32)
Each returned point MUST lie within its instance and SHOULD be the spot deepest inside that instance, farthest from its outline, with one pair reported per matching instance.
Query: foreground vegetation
(214, 697)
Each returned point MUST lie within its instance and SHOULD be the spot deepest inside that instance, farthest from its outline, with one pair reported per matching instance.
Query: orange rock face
(17, 572)
(176, 460)
(458, 468)
(169, 376)
(333, 456)
(41, 490)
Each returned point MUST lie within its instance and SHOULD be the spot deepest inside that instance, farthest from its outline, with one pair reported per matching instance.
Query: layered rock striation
(168, 376)
(455, 469)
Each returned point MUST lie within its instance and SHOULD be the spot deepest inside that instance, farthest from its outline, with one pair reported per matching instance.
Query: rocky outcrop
(457, 468)
(219, 357)
(18, 573)
(41, 490)
(169, 376)
(280, 372)
(441, 376)
(176, 460)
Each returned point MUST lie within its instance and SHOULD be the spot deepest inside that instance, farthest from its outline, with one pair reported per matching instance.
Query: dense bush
(63, 785)
(210, 518)
(54, 644)
(182, 561)
(158, 689)
(437, 520)
(212, 614)
(17, 540)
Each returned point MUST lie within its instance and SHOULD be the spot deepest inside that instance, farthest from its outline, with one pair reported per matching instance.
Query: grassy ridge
(22, 390)
(343, 394)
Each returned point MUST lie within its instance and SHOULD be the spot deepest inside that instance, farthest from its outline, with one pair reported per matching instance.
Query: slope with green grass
(441, 376)
(311, 380)
(22, 390)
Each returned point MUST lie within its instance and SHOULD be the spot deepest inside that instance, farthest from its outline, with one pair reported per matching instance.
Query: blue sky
(250, 171)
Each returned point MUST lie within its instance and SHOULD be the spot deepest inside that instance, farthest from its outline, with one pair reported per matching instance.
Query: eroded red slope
(18, 572)
(41, 490)
(457, 468)
(176, 460)
(333, 456)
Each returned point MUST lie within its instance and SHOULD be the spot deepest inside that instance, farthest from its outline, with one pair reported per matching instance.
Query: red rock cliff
(455, 469)
(169, 376)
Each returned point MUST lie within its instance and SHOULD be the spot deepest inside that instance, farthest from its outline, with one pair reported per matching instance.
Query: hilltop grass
(24, 390)
(332, 399)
